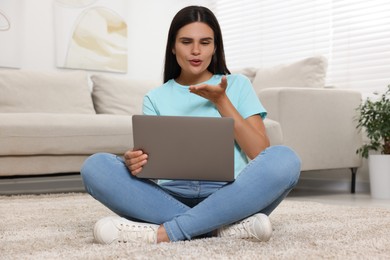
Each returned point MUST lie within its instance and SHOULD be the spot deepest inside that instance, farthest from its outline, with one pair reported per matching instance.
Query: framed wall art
(91, 35)
(11, 33)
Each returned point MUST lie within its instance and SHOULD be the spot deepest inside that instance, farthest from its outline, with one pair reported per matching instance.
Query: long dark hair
(186, 16)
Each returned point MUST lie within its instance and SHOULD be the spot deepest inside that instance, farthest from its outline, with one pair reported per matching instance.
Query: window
(353, 34)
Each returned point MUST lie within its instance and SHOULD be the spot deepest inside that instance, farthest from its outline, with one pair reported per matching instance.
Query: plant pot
(379, 169)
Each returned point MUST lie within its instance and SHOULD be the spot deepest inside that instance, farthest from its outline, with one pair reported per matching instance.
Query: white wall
(148, 24)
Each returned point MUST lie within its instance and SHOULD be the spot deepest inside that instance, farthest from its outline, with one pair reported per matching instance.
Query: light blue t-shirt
(173, 99)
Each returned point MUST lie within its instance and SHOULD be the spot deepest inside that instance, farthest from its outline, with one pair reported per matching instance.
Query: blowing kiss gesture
(212, 93)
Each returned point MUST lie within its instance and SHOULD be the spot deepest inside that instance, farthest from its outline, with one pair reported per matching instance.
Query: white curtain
(353, 34)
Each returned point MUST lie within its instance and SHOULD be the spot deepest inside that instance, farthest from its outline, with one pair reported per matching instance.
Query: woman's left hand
(212, 93)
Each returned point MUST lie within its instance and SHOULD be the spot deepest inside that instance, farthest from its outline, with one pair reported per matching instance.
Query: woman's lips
(195, 62)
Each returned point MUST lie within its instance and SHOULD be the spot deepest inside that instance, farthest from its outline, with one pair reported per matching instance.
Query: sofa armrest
(319, 124)
(274, 132)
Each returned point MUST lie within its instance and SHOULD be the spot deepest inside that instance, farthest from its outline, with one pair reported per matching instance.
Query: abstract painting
(91, 35)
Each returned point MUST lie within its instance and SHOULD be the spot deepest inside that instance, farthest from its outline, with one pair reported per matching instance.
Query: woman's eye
(206, 43)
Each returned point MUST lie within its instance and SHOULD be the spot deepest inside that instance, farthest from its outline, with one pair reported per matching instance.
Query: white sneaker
(257, 227)
(117, 229)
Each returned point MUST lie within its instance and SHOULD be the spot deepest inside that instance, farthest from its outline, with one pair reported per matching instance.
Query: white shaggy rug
(59, 226)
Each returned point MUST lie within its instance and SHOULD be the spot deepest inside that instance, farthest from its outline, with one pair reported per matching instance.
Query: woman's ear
(173, 51)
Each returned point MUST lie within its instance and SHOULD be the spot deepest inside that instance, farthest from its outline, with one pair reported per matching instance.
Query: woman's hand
(212, 93)
(135, 160)
(249, 133)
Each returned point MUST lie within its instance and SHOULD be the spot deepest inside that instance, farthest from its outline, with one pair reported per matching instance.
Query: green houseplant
(374, 118)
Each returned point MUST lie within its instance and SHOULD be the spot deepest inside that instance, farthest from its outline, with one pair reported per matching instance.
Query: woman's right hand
(135, 160)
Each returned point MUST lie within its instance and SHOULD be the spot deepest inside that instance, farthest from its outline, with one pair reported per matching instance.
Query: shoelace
(136, 233)
(250, 228)
(244, 230)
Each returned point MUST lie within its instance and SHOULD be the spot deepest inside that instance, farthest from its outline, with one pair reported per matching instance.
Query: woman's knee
(93, 165)
(289, 163)
(94, 171)
(289, 156)
(90, 163)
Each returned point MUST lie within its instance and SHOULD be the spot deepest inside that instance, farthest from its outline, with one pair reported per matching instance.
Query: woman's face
(194, 48)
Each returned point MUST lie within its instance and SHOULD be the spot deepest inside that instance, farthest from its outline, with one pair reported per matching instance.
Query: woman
(196, 84)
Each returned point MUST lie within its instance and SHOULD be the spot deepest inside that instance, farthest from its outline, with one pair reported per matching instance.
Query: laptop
(185, 148)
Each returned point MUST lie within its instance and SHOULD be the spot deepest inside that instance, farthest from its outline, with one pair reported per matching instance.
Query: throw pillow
(28, 91)
(249, 72)
(119, 95)
(309, 72)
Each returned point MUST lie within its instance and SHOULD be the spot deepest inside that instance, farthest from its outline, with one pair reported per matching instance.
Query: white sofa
(318, 122)
(50, 122)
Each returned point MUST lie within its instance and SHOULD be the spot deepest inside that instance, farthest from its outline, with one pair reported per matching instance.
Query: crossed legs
(260, 187)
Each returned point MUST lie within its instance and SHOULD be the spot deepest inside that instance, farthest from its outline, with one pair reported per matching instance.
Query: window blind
(354, 35)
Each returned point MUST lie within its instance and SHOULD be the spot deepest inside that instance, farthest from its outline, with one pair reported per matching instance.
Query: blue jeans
(188, 209)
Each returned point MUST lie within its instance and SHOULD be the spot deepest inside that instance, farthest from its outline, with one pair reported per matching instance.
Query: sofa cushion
(117, 95)
(76, 134)
(40, 164)
(63, 134)
(24, 91)
(309, 72)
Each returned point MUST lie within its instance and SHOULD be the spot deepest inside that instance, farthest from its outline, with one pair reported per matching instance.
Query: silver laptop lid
(185, 148)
